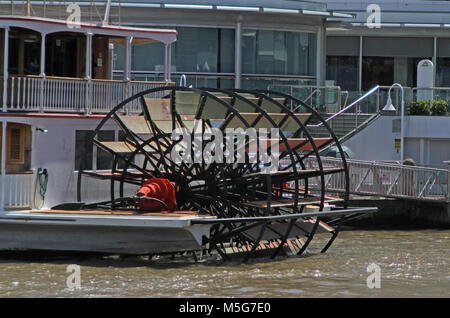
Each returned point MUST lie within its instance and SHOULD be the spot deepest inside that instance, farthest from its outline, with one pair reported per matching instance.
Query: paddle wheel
(240, 156)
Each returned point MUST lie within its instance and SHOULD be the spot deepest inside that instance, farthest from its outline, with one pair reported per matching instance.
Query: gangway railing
(325, 99)
(347, 108)
(370, 178)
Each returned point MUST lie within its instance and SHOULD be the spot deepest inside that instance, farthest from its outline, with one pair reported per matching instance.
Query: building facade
(384, 41)
(224, 43)
(249, 44)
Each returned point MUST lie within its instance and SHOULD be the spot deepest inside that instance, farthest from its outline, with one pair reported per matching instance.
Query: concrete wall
(427, 139)
(376, 142)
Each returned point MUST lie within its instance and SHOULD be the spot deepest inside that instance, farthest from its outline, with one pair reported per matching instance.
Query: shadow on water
(180, 260)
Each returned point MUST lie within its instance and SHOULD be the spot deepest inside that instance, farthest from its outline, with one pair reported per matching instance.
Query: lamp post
(390, 107)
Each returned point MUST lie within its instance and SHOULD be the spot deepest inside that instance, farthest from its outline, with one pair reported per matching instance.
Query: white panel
(439, 151)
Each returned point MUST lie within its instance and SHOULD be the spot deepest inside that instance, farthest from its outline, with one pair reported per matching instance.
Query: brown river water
(413, 263)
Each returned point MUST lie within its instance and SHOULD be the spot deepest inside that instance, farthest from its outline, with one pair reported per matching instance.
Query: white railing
(386, 180)
(18, 190)
(56, 94)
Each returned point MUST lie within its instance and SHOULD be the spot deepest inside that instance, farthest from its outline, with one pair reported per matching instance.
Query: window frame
(22, 132)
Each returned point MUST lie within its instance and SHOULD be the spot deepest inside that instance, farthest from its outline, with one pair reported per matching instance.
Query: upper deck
(51, 65)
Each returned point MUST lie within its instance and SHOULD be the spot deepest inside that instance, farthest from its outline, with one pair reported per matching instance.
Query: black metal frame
(222, 191)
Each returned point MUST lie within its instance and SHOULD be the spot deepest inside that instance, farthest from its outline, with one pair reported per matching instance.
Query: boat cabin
(52, 69)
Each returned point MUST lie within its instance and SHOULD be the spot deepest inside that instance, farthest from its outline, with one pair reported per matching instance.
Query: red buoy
(160, 189)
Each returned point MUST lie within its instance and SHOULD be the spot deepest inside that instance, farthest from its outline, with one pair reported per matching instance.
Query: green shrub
(420, 108)
(428, 107)
(438, 108)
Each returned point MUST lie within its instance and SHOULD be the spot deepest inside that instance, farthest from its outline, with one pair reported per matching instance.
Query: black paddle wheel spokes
(237, 155)
(332, 140)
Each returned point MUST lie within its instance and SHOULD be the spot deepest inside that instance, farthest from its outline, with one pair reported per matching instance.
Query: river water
(412, 263)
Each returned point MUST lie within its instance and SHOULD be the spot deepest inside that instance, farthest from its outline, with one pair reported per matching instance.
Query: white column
(88, 71)
(238, 55)
(167, 62)
(5, 69)
(434, 60)
(321, 55)
(3, 165)
(127, 62)
(42, 73)
(88, 60)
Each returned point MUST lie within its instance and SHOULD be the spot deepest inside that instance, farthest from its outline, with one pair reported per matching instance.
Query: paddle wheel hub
(161, 191)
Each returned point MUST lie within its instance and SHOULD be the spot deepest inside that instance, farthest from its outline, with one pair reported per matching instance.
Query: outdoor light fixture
(389, 107)
(42, 130)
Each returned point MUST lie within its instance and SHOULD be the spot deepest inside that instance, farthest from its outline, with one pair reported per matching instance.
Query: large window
(278, 53)
(443, 72)
(377, 71)
(24, 52)
(104, 158)
(203, 50)
(344, 71)
(443, 63)
(83, 149)
(85, 157)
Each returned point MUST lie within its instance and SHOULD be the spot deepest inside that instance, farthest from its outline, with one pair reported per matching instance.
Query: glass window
(118, 56)
(377, 71)
(443, 72)
(104, 158)
(208, 50)
(343, 70)
(196, 50)
(226, 43)
(148, 57)
(83, 149)
(278, 52)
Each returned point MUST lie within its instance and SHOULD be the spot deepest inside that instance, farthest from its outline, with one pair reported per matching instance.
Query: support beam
(107, 9)
(3, 164)
(5, 69)
(42, 65)
(360, 63)
(238, 55)
(88, 72)
(167, 62)
(321, 55)
(88, 59)
(434, 60)
(127, 59)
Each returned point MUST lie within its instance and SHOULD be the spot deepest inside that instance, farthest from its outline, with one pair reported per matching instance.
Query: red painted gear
(161, 189)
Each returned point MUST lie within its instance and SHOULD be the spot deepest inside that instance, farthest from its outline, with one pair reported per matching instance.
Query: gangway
(388, 180)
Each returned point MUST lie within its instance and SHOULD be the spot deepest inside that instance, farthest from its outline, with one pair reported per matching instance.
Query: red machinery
(161, 193)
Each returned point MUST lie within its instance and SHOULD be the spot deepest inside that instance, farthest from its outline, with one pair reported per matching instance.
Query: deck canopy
(37, 49)
(47, 26)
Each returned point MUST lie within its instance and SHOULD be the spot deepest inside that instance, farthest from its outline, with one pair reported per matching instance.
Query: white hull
(99, 233)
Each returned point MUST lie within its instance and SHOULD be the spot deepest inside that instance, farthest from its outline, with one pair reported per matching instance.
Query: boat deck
(118, 212)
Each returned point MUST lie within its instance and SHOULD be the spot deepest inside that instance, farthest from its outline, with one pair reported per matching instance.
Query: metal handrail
(388, 180)
(368, 93)
(316, 91)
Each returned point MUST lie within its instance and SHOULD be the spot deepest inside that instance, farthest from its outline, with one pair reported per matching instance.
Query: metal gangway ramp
(389, 180)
